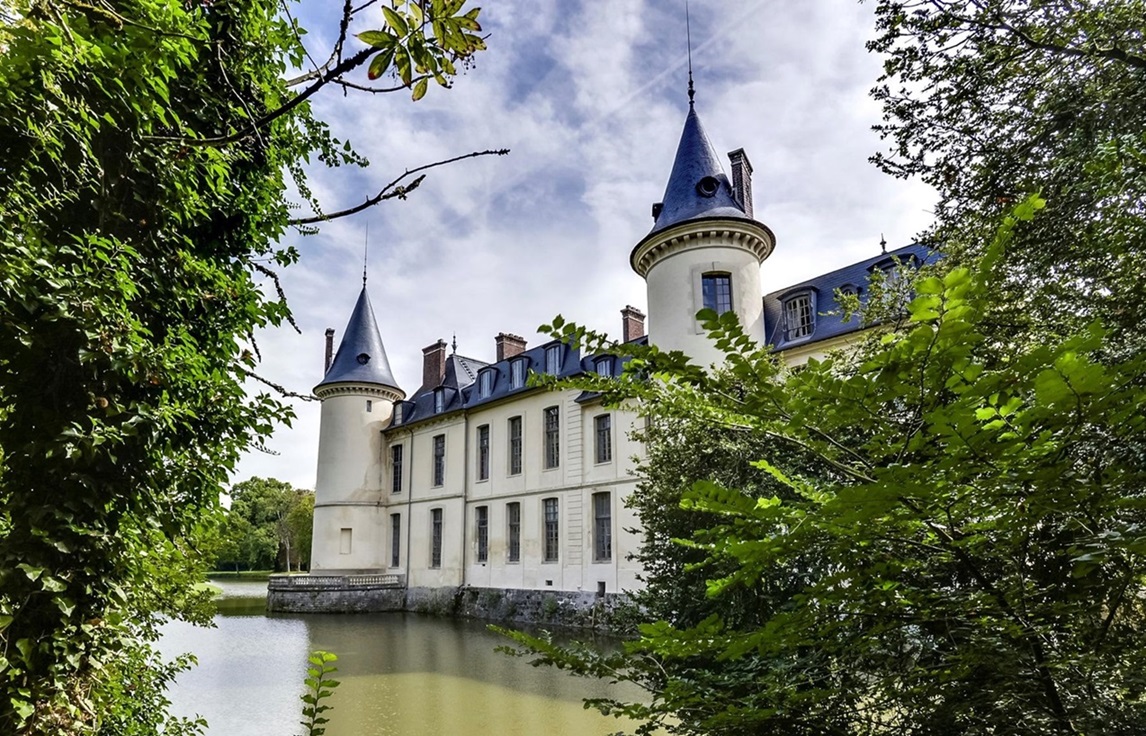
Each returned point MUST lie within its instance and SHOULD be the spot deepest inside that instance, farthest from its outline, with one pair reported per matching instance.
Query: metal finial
(454, 344)
(365, 254)
(883, 244)
(688, 36)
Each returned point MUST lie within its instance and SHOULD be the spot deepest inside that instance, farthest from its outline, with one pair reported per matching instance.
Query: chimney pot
(434, 364)
(509, 345)
(632, 323)
(742, 179)
(329, 349)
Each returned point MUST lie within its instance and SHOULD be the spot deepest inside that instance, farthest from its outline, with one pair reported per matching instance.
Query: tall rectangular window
(602, 527)
(481, 523)
(515, 445)
(483, 452)
(395, 540)
(553, 360)
(716, 289)
(396, 469)
(604, 432)
(439, 459)
(552, 538)
(552, 437)
(517, 373)
(513, 531)
(435, 537)
(799, 317)
(486, 383)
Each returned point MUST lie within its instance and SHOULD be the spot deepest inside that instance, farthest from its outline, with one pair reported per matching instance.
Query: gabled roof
(686, 198)
(824, 288)
(361, 357)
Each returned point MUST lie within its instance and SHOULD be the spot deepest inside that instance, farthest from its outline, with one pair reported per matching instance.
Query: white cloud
(591, 98)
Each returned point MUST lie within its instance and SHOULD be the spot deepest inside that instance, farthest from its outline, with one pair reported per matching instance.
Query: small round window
(363, 358)
(707, 186)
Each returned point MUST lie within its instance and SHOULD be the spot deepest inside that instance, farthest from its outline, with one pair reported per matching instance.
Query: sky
(591, 98)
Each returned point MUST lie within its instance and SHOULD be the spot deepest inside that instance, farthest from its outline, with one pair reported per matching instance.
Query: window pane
(552, 437)
(716, 290)
(513, 530)
(482, 518)
(602, 527)
(514, 445)
(396, 469)
(395, 539)
(551, 533)
(486, 383)
(553, 360)
(483, 452)
(439, 459)
(517, 374)
(435, 538)
(604, 427)
(799, 319)
(605, 367)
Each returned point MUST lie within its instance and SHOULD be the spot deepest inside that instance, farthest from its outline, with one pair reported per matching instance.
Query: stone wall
(535, 607)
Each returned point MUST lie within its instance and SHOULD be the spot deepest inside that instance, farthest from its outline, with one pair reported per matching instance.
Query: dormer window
(517, 373)
(604, 367)
(716, 289)
(553, 360)
(439, 401)
(485, 384)
(799, 316)
(398, 407)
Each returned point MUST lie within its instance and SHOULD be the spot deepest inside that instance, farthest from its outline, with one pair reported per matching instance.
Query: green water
(401, 674)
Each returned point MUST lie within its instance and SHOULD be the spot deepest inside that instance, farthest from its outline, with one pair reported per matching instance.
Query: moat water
(400, 674)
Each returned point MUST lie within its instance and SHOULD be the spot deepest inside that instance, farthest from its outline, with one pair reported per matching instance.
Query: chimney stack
(434, 364)
(329, 349)
(632, 323)
(742, 179)
(509, 345)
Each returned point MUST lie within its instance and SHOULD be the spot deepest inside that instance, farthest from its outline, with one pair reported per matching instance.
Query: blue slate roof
(686, 197)
(823, 291)
(461, 386)
(361, 358)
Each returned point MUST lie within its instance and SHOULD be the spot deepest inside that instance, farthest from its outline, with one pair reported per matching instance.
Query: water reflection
(401, 674)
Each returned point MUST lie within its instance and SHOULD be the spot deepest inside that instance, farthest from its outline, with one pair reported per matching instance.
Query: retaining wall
(569, 609)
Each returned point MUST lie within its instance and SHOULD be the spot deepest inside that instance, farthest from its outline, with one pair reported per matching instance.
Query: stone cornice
(359, 389)
(747, 235)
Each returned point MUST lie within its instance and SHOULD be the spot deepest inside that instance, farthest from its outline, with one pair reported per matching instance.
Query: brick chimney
(434, 364)
(329, 349)
(509, 345)
(632, 324)
(742, 179)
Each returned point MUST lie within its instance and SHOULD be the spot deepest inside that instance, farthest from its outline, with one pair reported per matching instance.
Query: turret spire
(688, 37)
(361, 358)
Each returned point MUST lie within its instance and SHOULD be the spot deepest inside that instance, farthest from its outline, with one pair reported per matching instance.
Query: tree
(958, 547)
(268, 521)
(990, 100)
(147, 146)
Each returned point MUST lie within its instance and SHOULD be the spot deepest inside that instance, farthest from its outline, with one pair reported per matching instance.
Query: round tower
(705, 249)
(358, 394)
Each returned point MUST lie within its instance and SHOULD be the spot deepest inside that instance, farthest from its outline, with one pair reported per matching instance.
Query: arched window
(716, 289)
(799, 316)
(553, 360)
(517, 373)
(485, 383)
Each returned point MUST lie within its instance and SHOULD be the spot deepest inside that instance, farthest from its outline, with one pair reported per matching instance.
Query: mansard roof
(697, 187)
(460, 388)
(829, 320)
(361, 357)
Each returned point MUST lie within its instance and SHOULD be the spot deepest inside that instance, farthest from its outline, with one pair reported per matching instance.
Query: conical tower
(358, 394)
(705, 248)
